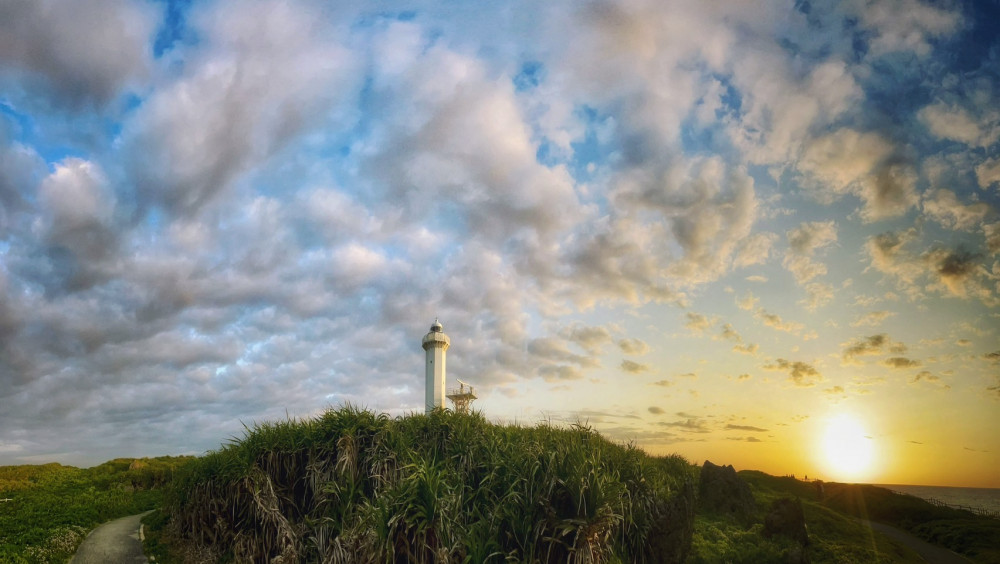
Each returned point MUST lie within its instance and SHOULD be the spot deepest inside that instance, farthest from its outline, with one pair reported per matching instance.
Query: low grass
(53, 506)
(961, 531)
(834, 537)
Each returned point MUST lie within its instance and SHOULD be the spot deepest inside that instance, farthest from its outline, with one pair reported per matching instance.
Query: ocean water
(986, 498)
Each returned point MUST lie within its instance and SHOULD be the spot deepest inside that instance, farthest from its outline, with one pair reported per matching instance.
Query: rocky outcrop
(785, 518)
(669, 539)
(720, 490)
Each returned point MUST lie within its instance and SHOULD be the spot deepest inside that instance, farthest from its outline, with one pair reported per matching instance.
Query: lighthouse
(435, 345)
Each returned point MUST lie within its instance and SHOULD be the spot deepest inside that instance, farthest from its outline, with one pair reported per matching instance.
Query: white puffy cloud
(988, 172)
(944, 207)
(957, 124)
(872, 318)
(864, 164)
(264, 73)
(904, 25)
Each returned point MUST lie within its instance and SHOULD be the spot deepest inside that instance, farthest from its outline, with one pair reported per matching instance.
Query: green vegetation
(352, 486)
(957, 530)
(834, 537)
(52, 507)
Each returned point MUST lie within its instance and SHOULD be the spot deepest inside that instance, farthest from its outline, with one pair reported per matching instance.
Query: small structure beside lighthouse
(435, 345)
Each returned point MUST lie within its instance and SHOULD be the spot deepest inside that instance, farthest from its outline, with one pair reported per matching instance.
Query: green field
(52, 507)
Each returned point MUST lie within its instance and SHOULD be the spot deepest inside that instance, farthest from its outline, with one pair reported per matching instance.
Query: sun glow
(847, 449)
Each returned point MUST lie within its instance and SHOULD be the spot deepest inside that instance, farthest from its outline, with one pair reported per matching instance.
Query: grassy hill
(352, 486)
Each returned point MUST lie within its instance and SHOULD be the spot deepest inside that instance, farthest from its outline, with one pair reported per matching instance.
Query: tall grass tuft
(354, 486)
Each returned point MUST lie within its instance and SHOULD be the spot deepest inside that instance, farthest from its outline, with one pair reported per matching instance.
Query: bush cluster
(353, 486)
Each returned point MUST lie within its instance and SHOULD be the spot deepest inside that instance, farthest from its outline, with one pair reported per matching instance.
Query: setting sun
(847, 450)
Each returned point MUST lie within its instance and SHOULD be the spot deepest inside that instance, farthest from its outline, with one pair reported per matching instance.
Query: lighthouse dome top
(436, 337)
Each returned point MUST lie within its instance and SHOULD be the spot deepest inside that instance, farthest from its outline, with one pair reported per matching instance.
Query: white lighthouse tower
(436, 345)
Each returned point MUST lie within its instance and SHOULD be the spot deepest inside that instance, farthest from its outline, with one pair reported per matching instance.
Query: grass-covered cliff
(353, 486)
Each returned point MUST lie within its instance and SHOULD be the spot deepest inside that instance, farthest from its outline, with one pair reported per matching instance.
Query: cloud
(590, 339)
(656, 410)
(834, 391)
(872, 318)
(755, 249)
(864, 164)
(992, 233)
(698, 323)
(803, 242)
(988, 172)
(749, 439)
(800, 373)
(899, 362)
(951, 271)
(555, 349)
(957, 124)
(929, 378)
(904, 25)
(728, 333)
(750, 349)
(558, 372)
(732, 427)
(775, 321)
(77, 54)
(748, 302)
(264, 215)
(943, 206)
(867, 346)
(633, 346)
(689, 425)
(261, 76)
(818, 295)
(634, 367)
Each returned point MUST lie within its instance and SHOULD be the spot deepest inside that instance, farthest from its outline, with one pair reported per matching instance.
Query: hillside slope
(352, 486)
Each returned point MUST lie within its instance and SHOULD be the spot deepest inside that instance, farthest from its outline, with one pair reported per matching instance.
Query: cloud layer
(231, 211)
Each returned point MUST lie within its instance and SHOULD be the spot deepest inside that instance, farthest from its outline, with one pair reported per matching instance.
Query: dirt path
(115, 542)
(929, 552)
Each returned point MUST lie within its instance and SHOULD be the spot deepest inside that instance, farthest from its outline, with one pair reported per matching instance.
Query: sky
(708, 228)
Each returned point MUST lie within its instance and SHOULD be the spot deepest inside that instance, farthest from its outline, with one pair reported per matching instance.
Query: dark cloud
(900, 362)
(731, 426)
(749, 439)
(633, 367)
(689, 425)
(871, 345)
(800, 373)
(656, 410)
(633, 346)
(78, 53)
